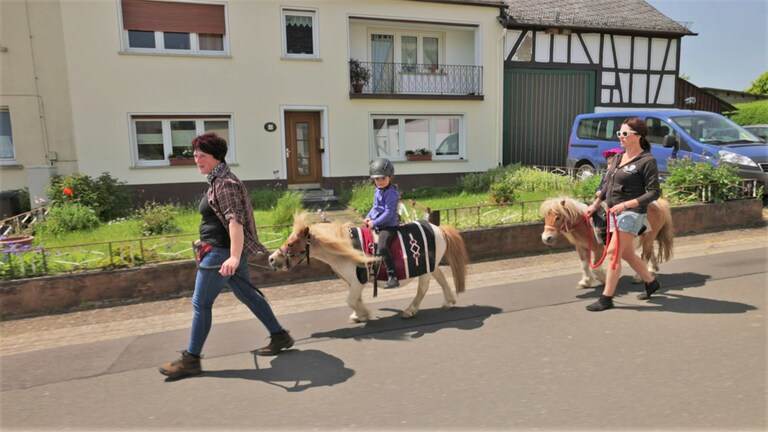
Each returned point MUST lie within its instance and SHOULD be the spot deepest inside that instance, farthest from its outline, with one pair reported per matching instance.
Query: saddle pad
(412, 249)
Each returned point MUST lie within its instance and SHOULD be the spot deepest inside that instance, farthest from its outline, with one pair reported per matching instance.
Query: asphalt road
(519, 353)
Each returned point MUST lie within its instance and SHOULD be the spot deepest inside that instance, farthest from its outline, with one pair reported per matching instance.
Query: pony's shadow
(665, 301)
(394, 327)
(293, 370)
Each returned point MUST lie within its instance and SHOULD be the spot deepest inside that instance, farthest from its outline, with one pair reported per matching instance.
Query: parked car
(700, 135)
(759, 130)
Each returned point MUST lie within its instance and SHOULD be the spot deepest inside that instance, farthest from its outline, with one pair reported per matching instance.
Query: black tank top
(212, 231)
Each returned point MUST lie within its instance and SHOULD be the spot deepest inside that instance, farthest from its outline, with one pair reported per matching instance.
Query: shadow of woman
(293, 370)
(393, 327)
(693, 305)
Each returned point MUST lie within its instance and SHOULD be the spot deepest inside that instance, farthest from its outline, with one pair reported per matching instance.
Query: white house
(120, 85)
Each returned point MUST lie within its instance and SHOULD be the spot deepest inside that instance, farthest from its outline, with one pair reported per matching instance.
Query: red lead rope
(615, 260)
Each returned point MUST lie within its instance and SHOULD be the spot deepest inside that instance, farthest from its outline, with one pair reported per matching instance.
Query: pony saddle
(412, 249)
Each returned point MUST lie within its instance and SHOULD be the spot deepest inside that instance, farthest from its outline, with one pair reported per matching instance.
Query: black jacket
(637, 179)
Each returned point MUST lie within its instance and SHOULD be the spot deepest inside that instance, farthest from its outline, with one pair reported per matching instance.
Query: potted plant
(181, 156)
(420, 154)
(359, 75)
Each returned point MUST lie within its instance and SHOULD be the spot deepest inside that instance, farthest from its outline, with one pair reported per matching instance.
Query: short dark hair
(212, 144)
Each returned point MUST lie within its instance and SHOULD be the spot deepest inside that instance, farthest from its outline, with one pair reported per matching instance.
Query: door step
(322, 199)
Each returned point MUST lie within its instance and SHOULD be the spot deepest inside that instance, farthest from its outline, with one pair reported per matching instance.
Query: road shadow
(293, 370)
(428, 321)
(666, 300)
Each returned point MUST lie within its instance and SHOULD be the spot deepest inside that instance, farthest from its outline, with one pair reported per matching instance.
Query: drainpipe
(40, 106)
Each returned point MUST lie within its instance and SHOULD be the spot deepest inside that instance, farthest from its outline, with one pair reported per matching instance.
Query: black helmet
(381, 168)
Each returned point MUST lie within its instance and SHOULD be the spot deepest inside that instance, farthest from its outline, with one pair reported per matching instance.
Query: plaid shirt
(229, 199)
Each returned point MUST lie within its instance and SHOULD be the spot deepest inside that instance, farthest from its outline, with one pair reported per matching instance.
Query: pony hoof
(448, 306)
(407, 314)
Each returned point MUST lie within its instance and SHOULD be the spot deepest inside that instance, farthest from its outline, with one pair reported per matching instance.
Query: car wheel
(585, 171)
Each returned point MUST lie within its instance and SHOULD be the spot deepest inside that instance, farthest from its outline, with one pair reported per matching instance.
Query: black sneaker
(650, 288)
(392, 282)
(601, 304)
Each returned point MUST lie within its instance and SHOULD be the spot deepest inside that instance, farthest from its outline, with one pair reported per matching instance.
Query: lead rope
(615, 260)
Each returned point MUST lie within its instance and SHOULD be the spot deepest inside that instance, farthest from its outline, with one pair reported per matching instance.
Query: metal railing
(422, 79)
(22, 260)
(20, 223)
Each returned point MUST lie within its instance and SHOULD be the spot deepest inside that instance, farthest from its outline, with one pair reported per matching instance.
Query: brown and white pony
(566, 216)
(331, 243)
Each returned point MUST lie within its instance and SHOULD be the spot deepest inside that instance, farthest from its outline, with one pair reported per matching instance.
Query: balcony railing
(423, 79)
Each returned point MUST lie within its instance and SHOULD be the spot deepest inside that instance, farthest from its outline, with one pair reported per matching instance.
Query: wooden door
(302, 147)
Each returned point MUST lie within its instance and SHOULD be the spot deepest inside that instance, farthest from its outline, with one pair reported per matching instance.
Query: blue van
(700, 135)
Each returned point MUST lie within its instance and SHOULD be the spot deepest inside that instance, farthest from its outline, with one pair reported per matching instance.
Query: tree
(685, 76)
(759, 86)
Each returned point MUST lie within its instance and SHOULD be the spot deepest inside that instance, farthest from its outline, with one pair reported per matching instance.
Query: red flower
(68, 191)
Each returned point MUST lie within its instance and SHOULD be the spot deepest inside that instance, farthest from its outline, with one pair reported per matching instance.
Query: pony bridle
(303, 254)
(564, 227)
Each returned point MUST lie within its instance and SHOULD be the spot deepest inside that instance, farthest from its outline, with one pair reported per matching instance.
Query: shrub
(481, 182)
(157, 219)
(287, 205)
(690, 181)
(503, 191)
(266, 199)
(751, 113)
(534, 180)
(587, 187)
(68, 217)
(107, 196)
(361, 199)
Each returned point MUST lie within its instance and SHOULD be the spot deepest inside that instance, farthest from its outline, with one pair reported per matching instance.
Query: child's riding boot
(392, 281)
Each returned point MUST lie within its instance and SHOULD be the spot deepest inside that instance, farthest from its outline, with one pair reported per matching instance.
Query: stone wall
(58, 293)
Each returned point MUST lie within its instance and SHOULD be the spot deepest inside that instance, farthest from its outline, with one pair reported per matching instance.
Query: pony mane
(567, 207)
(332, 237)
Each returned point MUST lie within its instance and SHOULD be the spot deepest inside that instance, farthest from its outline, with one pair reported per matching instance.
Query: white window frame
(398, 46)
(167, 142)
(9, 160)
(194, 46)
(433, 144)
(309, 12)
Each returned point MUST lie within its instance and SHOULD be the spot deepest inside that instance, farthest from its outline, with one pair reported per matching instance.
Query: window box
(419, 157)
(181, 162)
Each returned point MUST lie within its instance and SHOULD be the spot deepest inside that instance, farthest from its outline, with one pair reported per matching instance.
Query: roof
(630, 16)
(493, 3)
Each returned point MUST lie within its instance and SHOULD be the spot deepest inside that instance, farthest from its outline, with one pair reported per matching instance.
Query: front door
(302, 147)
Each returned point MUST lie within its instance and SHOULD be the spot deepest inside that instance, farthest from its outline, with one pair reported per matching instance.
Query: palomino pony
(566, 216)
(331, 243)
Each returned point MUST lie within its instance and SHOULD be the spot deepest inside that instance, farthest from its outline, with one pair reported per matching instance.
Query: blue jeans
(629, 222)
(209, 284)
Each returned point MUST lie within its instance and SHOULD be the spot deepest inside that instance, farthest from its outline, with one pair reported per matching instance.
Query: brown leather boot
(186, 365)
(277, 343)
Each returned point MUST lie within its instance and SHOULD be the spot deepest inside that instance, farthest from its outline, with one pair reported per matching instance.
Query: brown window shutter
(173, 17)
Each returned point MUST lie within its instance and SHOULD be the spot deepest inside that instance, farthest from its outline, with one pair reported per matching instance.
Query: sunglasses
(625, 133)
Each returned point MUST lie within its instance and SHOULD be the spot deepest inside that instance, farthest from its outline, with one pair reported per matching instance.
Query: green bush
(361, 199)
(503, 190)
(68, 217)
(287, 205)
(266, 199)
(481, 182)
(534, 180)
(690, 181)
(107, 196)
(751, 113)
(587, 187)
(157, 219)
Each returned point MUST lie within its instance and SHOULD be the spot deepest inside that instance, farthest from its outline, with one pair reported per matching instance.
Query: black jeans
(386, 235)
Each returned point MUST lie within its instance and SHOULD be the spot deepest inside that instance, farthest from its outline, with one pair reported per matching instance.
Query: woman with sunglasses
(631, 183)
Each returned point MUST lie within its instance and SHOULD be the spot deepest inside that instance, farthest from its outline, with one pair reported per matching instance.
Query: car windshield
(711, 129)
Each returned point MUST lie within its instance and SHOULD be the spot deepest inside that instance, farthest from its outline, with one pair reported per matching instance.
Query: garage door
(539, 108)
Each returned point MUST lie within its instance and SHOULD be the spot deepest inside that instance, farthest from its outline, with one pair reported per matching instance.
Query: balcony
(420, 81)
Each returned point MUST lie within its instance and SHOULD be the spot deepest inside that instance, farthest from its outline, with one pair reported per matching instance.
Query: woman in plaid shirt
(228, 237)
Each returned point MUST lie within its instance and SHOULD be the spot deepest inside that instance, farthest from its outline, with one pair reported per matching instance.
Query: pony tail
(457, 256)
(644, 144)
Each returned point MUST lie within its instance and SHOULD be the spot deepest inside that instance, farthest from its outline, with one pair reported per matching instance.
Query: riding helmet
(381, 168)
